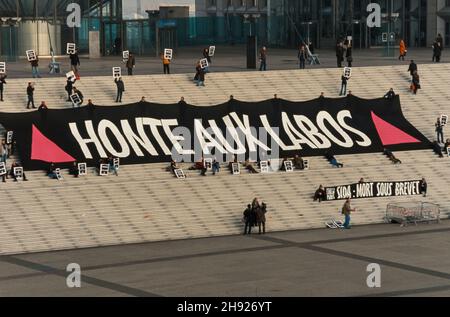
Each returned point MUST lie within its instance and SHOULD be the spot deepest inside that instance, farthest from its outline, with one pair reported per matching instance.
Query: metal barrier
(412, 212)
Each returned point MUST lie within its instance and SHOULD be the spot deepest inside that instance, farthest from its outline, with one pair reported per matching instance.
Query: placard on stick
(31, 55)
(288, 166)
(208, 163)
(9, 137)
(75, 99)
(204, 63)
(71, 48)
(71, 76)
(125, 55)
(168, 53)
(82, 169)
(58, 174)
(2, 168)
(211, 51)
(18, 172)
(347, 72)
(444, 119)
(117, 72)
(235, 168)
(104, 169)
(116, 163)
(264, 165)
(306, 164)
(2, 67)
(179, 173)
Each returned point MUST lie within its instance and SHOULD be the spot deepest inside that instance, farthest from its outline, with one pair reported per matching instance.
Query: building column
(220, 20)
(435, 24)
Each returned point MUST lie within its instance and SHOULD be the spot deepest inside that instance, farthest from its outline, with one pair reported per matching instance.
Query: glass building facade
(42, 25)
(277, 23)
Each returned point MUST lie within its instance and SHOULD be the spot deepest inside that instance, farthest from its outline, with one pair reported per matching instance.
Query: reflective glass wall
(42, 25)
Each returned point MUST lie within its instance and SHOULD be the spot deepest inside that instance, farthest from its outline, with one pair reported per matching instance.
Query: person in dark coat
(261, 217)
(423, 187)
(30, 95)
(206, 55)
(74, 169)
(120, 88)
(247, 219)
(2, 82)
(437, 52)
(340, 54)
(302, 56)
(74, 62)
(320, 194)
(415, 82)
(390, 94)
(349, 56)
(412, 68)
(344, 81)
(131, 63)
(69, 88)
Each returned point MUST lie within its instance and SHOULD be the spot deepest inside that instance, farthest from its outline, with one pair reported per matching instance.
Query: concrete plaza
(227, 58)
(414, 261)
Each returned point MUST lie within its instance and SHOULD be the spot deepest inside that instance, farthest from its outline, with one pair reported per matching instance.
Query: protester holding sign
(74, 62)
(439, 130)
(120, 88)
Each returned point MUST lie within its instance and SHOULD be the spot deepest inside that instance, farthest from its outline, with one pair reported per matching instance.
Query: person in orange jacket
(166, 64)
(402, 50)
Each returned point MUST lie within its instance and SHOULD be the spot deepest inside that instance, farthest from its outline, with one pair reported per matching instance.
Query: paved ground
(415, 261)
(228, 58)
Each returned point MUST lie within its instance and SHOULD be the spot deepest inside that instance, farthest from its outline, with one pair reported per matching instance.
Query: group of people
(255, 215)
(344, 49)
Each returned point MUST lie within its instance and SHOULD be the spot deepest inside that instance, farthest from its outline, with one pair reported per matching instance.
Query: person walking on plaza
(131, 63)
(30, 95)
(439, 130)
(412, 68)
(35, 68)
(263, 59)
(74, 62)
(120, 89)
(2, 83)
(402, 50)
(302, 56)
(247, 219)
(166, 64)
(339, 54)
(437, 52)
(346, 211)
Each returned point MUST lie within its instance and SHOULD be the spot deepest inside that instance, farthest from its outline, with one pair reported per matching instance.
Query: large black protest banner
(373, 190)
(149, 132)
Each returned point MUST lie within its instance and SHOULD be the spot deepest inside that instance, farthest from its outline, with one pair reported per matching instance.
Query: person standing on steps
(120, 88)
(30, 95)
(74, 62)
(346, 211)
(412, 68)
(166, 64)
(439, 130)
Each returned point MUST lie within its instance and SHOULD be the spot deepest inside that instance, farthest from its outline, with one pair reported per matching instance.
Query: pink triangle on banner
(43, 149)
(389, 134)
